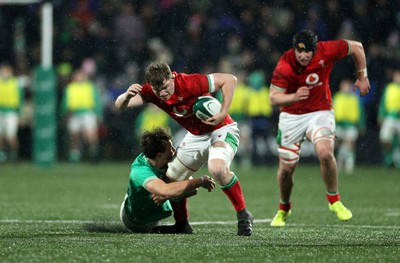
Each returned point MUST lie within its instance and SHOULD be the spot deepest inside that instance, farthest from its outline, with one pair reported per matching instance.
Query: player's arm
(278, 97)
(177, 189)
(130, 98)
(227, 84)
(358, 54)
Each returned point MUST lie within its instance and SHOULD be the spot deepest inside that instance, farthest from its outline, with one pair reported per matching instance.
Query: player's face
(166, 90)
(169, 153)
(303, 56)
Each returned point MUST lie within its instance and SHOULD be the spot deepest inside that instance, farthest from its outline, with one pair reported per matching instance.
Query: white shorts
(8, 124)
(193, 151)
(390, 127)
(86, 121)
(293, 130)
(347, 133)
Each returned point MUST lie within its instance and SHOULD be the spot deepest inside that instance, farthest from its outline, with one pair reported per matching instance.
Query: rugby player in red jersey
(213, 141)
(300, 86)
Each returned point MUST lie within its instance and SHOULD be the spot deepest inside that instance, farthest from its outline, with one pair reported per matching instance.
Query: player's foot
(178, 228)
(341, 211)
(280, 218)
(245, 223)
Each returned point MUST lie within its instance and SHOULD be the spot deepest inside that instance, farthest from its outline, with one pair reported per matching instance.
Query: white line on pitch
(17, 221)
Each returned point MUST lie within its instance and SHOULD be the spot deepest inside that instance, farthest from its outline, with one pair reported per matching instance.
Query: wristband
(201, 181)
(363, 73)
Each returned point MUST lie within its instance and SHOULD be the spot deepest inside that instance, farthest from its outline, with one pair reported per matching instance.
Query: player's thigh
(75, 123)
(321, 126)
(191, 154)
(225, 143)
(146, 228)
(10, 124)
(387, 130)
(89, 124)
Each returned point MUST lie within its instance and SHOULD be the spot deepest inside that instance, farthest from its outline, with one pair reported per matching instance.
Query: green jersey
(139, 206)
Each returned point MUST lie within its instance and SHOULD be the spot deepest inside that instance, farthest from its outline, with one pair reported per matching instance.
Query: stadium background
(121, 37)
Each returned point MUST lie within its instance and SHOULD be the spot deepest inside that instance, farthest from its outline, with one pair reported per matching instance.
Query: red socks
(332, 197)
(234, 192)
(180, 210)
(285, 207)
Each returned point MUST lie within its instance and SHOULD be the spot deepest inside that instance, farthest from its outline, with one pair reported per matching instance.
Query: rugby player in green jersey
(149, 199)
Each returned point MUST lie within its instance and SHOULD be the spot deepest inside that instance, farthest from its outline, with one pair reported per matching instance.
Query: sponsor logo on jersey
(312, 81)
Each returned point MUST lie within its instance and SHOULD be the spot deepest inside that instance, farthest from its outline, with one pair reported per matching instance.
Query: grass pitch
(70, 213)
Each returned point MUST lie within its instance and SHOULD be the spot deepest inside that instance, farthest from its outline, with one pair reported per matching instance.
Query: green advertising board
(45, 128)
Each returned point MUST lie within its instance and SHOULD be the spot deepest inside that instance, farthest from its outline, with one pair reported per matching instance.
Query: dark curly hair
(155, 141)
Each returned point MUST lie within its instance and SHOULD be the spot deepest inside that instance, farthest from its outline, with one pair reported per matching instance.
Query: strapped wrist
(362, 73)
(202, 181)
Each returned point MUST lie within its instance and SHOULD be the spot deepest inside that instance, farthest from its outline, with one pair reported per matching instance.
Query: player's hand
(133, 90)
(159, 200)
(207, 183)
(215, 120)
(302, 93)
(363, 85)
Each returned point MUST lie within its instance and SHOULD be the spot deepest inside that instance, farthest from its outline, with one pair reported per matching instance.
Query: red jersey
(188, 87)
(289, 75)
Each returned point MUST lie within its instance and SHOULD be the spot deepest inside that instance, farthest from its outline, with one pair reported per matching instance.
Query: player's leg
(92, 135)
(146, 228)
(187, 161)
(290, 135)
(11, 135)
(386, 137)
(322, 135)
(3, 125)
(224, 144)
(74, 126)
(288, 159)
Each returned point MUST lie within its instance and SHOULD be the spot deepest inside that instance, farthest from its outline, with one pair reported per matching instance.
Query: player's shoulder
(286, 61)
(330, 45)
(187, 76)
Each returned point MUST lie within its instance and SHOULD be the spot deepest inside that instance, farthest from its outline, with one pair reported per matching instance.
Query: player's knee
(323, 134)
(287, 170)
(219, 160)
(289, 156)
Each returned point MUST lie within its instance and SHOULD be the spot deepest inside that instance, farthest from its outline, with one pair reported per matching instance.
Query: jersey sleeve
(279, 79)
(335, 49)
(142, 177)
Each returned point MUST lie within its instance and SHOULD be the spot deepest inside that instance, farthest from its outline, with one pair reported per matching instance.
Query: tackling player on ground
(300, 86)
(139, 212)
(213, 141)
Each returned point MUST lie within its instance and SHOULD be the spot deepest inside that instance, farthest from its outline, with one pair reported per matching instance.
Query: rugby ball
(206, 107)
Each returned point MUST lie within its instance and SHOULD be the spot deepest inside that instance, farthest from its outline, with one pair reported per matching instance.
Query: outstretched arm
(176, 189)
(358, 54)
(130, 98)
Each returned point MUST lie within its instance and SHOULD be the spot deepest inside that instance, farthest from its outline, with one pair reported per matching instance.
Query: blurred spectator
(350, 120)
(130, 34)
(238, 112)
(82, 106)
(150, 117)
(259, 111)
(11, 100)
(389, 119)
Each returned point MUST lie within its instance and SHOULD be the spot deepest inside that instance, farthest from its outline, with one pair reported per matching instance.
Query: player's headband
(305, 40)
